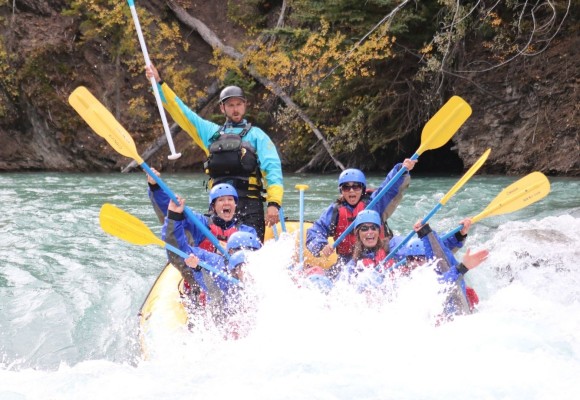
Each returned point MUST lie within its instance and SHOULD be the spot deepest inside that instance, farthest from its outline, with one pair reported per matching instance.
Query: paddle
(474, 168)
(106, 126)
(282, 224)
(131, 229)
(301, 188)
(438, 130)
(282, 219)
(397, 265)
(173, 155)
(520, 194)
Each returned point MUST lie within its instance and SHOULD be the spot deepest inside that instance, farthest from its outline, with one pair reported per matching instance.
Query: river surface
(70, 295)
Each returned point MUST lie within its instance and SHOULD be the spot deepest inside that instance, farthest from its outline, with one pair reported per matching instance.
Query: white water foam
(521, 344)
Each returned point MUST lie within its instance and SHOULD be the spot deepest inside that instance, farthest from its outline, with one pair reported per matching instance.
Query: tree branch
(211, 38)
(281, 17)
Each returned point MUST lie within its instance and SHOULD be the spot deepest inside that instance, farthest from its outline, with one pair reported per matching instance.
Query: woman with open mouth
(221, 222)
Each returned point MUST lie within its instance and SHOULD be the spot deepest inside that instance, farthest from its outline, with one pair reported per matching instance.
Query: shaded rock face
(525, 111)
(40, 7)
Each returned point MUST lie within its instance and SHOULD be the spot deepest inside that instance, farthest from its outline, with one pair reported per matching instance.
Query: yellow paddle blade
(125, 226)
(465, 177)
(443, 125)
(103, 122)
(520, 194)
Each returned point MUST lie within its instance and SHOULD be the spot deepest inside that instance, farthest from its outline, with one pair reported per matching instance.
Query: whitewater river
(70, 295)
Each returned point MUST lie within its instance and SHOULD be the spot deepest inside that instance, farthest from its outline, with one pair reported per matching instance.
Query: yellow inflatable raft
(309, 259)
(162, 310)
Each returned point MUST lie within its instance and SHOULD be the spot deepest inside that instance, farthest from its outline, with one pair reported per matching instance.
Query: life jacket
(373, 262)
(341, 218)
(221, 234)
(232, 160)
(197, 294)
(472, 297)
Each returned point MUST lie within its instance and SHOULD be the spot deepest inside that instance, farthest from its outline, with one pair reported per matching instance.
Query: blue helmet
(352, 175)
(367, 217)
(394, 242)
(243, 240)
(414, 247)
(239, 257)
(222, 189)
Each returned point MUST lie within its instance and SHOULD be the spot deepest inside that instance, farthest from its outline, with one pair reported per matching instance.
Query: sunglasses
(364, 228)
(357, 187)
(235, 249)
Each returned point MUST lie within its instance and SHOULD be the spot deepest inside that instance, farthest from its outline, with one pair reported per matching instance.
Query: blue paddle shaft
(302, 228)
(410, 235)
(281, 217)
(202, 264)
(453, 232)
(397, 247)
(375, 200)
(187, 211)
(431, 213)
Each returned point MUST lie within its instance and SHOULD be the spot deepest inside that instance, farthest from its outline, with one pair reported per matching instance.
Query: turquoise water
(70, 294)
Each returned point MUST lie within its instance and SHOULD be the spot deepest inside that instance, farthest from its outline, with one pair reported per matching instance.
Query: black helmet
(231, 91)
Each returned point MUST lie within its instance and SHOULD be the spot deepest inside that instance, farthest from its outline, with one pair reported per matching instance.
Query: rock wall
(527, 113)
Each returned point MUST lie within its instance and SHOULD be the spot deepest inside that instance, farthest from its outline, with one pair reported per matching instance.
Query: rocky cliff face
(526, 111)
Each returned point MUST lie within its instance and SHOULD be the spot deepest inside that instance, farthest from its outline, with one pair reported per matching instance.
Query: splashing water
(70, 295)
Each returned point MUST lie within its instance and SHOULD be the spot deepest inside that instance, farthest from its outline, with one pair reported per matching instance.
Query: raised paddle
(520, 194)
(510, 199)
(474, 168)
(131, 229)
(436, 132)
(173, 155)
(106, 126)
(301, 188)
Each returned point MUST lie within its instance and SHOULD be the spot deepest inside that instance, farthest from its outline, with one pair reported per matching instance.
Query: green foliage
(359, 106)
(41, 72)
(108, 24)
(234, 78)
(345, 15)
(298, 142)
(249, 14)
(103, 21)
(321, 68)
